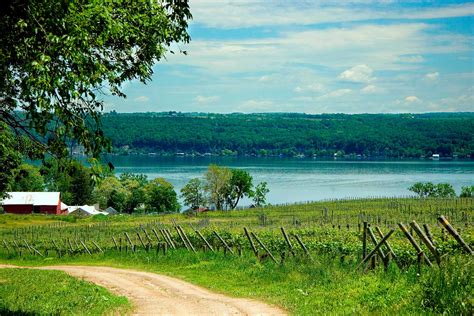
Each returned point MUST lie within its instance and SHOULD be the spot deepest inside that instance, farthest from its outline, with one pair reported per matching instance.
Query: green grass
(322, 286)
(37, 292)
(325, 286)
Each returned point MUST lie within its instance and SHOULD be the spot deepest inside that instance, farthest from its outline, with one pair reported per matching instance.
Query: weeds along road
(154, 294)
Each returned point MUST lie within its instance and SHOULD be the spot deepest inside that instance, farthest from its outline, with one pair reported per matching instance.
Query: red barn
(32, 202)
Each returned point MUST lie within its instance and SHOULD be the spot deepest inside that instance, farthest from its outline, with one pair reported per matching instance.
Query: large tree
(27, 178)
(217, 185)
(58, 58)
(161, 196)
(10, 159)
(193, 193)
(240, 185)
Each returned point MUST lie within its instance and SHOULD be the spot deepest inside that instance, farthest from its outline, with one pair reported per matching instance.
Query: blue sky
(355, 56)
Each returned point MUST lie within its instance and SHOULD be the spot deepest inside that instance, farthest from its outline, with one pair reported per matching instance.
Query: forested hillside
(292, 134)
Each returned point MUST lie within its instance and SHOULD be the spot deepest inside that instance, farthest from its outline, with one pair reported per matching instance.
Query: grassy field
(322, 286)
(36, 292)
(331, 231)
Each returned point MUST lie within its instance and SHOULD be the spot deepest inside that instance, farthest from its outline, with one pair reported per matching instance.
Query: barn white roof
(32, 198)
(89, 209)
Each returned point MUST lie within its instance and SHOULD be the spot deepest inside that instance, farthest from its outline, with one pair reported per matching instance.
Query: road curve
(155, 294)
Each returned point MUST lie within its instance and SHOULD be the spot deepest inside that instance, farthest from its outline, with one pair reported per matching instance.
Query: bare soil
(155, 294)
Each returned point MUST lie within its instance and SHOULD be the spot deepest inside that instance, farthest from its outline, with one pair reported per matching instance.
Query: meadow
(37, 292)
(303, 257)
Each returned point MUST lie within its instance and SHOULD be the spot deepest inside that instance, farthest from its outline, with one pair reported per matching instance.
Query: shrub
(448, 290)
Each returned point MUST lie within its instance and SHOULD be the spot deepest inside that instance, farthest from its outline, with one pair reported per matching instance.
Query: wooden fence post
(375, 242)
(300, 242)
(389, 247)
(156, 235)
(455, 234)
(187, 239)
(376, 248)
(132, 246)
(6, 245)
(170, 238)
(182, 238)
(141, 240)
(288, 242)
(264, 247)
(426, 241)
(115, 243)
(223, 242)
(97, 246)
(364, 241)
(251, 242)
(85, 248)
(204, 239)
(428, 233)
(414, 244)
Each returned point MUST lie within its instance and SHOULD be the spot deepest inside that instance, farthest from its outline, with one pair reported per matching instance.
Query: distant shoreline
(328, 158)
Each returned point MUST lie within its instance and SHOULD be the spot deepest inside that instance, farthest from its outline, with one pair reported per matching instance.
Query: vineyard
(347, 229)
(375, 255)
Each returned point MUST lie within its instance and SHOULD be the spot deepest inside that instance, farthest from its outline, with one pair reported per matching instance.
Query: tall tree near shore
(467, 191)
(135, 185)
(193, 193)
(260, 194)
(161, 196)
(240, 185)
(58, 58)
(217, 185)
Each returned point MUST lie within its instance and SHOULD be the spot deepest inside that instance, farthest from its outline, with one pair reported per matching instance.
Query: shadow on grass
(6, 312)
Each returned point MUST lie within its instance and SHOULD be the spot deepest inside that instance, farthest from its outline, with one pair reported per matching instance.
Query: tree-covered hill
(291, 134)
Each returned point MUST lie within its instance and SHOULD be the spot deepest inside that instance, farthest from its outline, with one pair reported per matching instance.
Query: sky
(334, 56)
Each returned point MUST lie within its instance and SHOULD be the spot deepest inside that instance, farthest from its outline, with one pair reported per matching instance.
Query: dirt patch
(154, 294)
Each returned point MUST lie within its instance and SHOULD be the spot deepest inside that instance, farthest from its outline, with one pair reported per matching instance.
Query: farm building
(33, 202)
(111, 210)
(84, 210)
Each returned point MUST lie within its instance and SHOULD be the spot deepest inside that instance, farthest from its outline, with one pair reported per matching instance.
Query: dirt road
(154, 294)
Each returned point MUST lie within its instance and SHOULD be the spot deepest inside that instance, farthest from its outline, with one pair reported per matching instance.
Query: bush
(449, 289)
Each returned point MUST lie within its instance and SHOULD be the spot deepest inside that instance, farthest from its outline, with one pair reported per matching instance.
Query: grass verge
(325, 286)
(37, 292)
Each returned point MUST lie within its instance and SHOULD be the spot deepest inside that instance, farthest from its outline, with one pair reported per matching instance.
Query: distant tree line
(287, 134)
(440, 190)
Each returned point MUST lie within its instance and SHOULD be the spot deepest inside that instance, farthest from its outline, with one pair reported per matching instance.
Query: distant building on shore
(33, 202)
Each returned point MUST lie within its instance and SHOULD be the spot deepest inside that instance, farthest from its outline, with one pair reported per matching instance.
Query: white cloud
(461, 102)
(369, 89)
(142, 99)
(315, 87)
(249, 65)
(251, 13)
(412, 59)
(359, 73)
(335, 94)
(433, 76)
(378, 45)
(206, 99)
(412, 99)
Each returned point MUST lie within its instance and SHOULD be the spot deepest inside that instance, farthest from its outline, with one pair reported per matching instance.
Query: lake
(295, 180)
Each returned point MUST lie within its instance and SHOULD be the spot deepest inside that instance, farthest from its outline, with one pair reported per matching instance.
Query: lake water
(294, 180)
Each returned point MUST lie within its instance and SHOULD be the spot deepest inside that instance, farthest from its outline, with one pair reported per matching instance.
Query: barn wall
(18, 209)
(49, 209)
